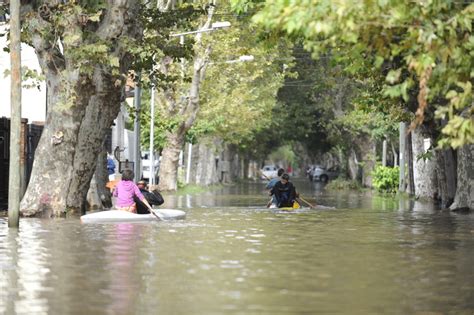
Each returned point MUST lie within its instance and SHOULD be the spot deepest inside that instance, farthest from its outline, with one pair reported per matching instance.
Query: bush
(343, 184)
(385, 179)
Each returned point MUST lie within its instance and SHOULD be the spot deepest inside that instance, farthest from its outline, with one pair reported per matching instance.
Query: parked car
(322, 174)
(269, 172)
(146, 167)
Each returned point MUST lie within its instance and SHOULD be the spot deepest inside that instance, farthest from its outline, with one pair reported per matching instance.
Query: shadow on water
(368, 254)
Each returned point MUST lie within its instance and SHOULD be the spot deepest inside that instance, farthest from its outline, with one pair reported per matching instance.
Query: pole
(384, 153)
(152, 134)
(15, 121)
(137, 104)
(402, 136)
(190, 145)
(188, 164)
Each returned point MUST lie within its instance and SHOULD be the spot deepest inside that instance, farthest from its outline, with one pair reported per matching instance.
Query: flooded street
(358, 254)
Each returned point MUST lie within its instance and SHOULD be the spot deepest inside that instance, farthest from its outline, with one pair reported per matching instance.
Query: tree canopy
(422, 47)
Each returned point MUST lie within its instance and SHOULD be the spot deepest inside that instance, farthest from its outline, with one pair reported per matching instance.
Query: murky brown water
(231, 256)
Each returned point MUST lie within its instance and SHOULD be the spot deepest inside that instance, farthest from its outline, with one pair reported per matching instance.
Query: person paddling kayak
(284, 192)
(154, 198)
(270, 186)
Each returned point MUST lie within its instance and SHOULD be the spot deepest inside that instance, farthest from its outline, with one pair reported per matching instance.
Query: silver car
(320, 173)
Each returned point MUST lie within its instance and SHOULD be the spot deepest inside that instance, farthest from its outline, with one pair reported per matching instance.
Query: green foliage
(385, 179)
(284, 153)
(343, 184)
(424, 48)
(237, 97)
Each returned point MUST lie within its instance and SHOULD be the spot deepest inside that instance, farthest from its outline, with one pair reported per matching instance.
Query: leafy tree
(428, 45)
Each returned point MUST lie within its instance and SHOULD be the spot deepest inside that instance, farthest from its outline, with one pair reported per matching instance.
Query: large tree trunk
(169, 162)
(446, 176)
(464, 198)
(424, 170)
(82, 105)
(66, 156)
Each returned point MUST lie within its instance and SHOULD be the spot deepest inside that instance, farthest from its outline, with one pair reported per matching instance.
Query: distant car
(269, 172)
(320, 173)
(146, 167)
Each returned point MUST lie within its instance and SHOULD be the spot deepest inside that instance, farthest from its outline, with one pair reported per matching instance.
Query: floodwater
(358, 254)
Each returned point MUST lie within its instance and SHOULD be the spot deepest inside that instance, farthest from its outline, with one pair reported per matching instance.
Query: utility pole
(402, 136)
(384, 152)
(15, 121)
(137, 103)
(152, 137)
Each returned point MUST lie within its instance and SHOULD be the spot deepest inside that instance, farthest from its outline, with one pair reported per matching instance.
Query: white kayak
(125, 216)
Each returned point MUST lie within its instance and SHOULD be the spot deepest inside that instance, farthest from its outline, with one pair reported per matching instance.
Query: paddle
(157, 215)
(310, 205)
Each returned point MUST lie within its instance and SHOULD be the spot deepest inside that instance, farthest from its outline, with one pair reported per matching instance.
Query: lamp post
(137, 104)
(152, 136)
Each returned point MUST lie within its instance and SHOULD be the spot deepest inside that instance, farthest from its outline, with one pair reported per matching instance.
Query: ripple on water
(244, 261)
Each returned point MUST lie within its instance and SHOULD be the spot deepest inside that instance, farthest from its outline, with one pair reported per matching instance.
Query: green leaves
(405, 40)
(385, 179)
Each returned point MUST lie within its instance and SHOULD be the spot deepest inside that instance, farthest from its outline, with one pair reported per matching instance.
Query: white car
(269, 172)
(146, 167)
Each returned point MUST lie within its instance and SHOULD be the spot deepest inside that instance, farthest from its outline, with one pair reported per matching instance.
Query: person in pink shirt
(125, 190)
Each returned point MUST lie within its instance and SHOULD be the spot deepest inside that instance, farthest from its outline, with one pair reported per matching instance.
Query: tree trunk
(169, 162)
(446, 176)
(246, 163)
(424, 170)
(409, 161)
(101, 177)
(66, 156)
(464, 198)
(353, 165)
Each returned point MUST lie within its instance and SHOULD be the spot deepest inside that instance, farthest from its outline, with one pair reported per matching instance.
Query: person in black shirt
(284, 192)
(153, 198)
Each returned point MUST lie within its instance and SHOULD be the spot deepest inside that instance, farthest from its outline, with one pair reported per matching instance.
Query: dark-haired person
(284, 192)
(125, 191)
(270, 186)
(153, 198)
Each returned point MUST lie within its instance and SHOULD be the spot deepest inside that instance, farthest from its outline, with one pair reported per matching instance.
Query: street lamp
(243, 58)
(214, 27)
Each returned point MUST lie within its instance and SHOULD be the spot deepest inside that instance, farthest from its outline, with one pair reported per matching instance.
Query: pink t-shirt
(124, 191)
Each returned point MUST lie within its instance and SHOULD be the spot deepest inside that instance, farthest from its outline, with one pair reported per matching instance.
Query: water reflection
(24, 262)
(369, 254)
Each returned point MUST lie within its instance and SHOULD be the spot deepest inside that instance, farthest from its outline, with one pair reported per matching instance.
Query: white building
(33, 99)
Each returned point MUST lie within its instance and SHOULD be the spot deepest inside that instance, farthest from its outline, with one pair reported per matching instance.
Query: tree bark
(446, 177)
(409, 160)
(82, 106)
(424, 170)
(464, 198)
(169, 162)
